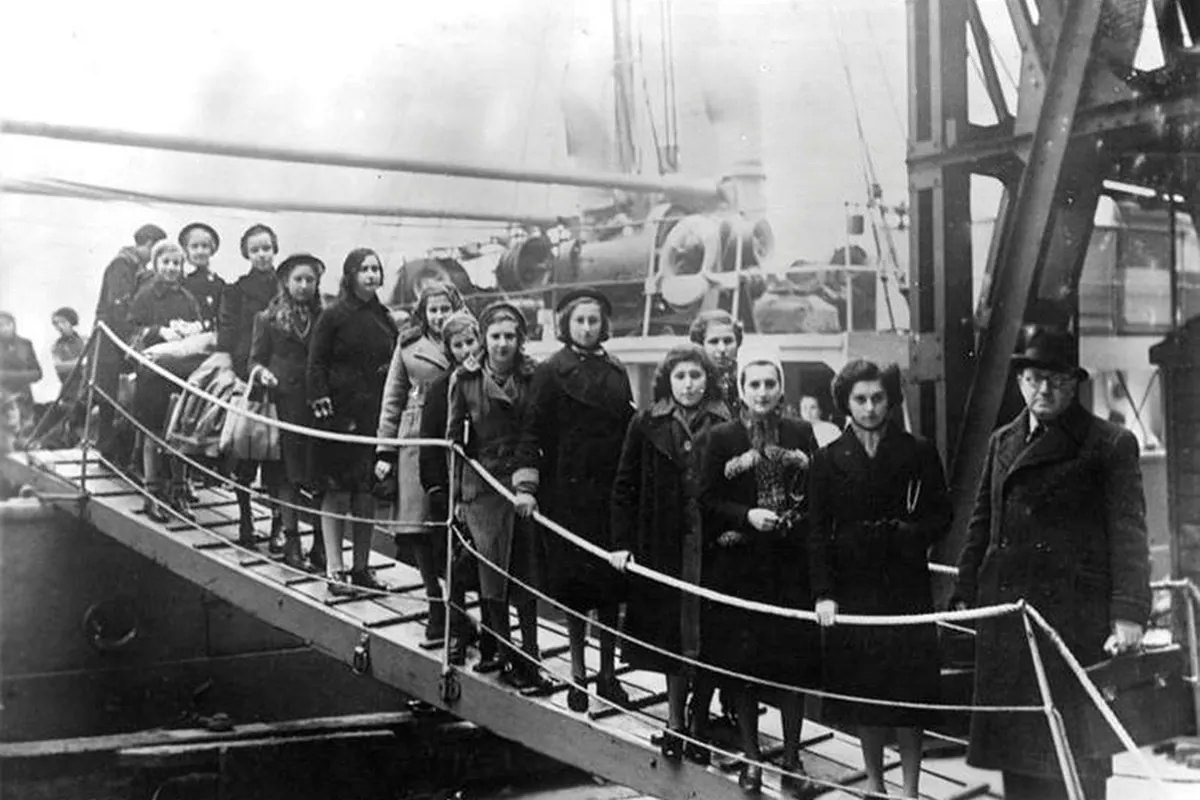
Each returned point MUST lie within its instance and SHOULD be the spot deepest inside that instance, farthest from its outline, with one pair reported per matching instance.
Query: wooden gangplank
(390, 629)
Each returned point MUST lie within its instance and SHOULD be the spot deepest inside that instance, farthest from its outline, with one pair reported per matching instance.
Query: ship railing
(1031, 619)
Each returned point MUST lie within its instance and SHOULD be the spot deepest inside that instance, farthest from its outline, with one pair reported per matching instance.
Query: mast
(623, 89)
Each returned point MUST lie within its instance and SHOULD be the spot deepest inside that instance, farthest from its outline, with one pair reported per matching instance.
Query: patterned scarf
(290, 316)
(769, 471)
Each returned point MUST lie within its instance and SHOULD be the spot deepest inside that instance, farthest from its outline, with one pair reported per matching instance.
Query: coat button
(687, 447)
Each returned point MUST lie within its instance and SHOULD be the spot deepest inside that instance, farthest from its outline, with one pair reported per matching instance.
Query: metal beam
(699, 190)
(56, 188)
(987, 63)
(940, 278)
(1022, 251)
(1111, 120)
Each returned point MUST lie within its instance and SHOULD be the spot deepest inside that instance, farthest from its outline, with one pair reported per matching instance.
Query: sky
(470, 80)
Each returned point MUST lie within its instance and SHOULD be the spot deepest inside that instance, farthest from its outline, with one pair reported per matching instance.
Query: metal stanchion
(1058, 732)
(85, 444)
(449, 688)
(1193, 650)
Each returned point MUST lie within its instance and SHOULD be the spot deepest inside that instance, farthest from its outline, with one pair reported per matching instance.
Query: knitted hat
(161, 247)
(758, 354)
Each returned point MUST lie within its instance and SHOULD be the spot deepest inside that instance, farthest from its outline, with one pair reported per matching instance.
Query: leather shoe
(750, 779)
(798, 786)
(577, 700)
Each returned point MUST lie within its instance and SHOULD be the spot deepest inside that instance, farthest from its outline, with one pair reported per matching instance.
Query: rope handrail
(316, 433)
(1093, 694)
(764, 682)
(161, 442)
(559, 530)
(730, 600)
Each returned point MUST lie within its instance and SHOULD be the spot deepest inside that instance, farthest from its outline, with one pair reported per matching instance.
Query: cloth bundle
(196, 423)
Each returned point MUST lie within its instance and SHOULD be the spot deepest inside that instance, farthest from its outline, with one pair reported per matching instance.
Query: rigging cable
(870, 177)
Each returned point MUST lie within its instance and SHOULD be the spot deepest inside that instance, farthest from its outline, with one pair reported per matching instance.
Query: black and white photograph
(600, 400)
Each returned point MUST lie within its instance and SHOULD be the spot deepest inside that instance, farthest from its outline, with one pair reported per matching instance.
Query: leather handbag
(1150, 695)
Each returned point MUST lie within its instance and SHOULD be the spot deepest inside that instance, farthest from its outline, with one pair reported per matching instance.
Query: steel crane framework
(1083, 115)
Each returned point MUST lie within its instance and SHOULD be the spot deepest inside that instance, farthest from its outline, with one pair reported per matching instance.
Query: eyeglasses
(1055, 380)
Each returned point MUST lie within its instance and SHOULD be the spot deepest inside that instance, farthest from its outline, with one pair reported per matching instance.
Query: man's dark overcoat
(1059, 521)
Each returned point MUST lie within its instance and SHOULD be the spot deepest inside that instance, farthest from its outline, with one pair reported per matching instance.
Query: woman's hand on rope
(620, 559)
(826, 612)
(762, 519)
(322, 408)
(1125, 636)
(382, 468)
(525, 504)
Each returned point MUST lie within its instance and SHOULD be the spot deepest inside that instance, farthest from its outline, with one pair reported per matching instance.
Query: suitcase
(1150, 694)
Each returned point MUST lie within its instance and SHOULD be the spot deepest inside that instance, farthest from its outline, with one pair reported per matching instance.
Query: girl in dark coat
(347, 363)
(460, 335)
(200, 243)
(241, 303)
(656, 520)
(158, 312)
(489, 398)
(878, 503)
(279, 352)
(578, 415)
(752, 495)
(419, 358)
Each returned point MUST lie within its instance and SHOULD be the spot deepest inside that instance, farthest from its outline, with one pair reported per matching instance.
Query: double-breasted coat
(771, 567)
(1059, 521)
(348, 360)
(873, 521)
(207, 287)
(656, 516)
(416, 362)
(487, 418)
(579, 411)
(284, 351)
(241, 302)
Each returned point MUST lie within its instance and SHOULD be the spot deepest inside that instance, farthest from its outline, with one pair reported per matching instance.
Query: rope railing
(716, 670)
(945, 618)
(551, 525)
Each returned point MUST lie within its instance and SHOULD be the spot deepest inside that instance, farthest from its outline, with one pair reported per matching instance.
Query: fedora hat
(1053, 350)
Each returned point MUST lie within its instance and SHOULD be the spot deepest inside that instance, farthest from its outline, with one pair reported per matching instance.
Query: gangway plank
(616, 747)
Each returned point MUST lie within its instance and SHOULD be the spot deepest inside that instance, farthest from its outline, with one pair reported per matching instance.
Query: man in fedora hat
(1059, 521)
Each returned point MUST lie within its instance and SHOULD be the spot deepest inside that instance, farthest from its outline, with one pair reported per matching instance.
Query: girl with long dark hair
(352, 345)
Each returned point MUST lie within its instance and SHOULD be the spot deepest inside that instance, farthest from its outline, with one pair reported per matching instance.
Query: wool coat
(284, 352)
(873, 521)
(348, 359)
(771, 567)
(207, 287)
(416, 362)
(579, 411)
(1059, 521)
(656, 516)
(240, 303)
(117, 290)
(487, 420)
(158, 303)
